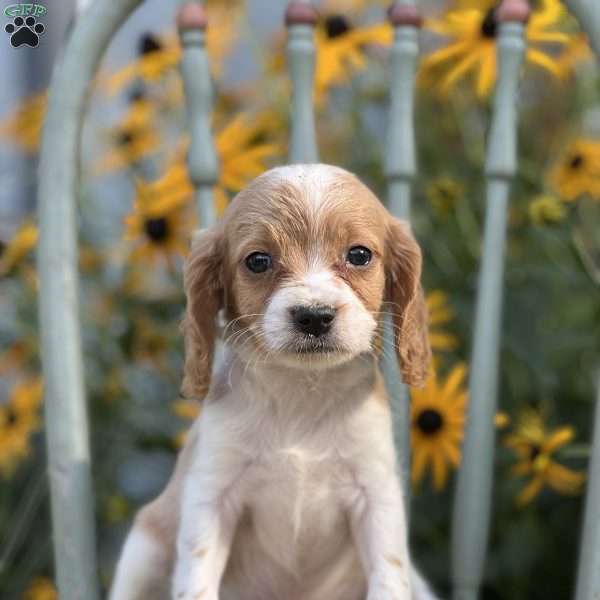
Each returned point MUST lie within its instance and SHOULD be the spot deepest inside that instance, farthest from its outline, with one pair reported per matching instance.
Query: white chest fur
(282, 482)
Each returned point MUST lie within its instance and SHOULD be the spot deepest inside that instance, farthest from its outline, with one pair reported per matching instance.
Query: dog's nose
(313, 320)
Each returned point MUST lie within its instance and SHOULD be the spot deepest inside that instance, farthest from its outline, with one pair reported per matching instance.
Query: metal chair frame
(65, 405)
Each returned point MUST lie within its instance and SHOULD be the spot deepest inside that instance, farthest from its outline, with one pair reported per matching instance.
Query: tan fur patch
(395, 561)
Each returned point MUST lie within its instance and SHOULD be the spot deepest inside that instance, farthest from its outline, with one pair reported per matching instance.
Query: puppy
(287, 487)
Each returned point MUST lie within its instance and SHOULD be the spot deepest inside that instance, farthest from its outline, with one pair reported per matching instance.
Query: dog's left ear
(204, 288)
(404, 292)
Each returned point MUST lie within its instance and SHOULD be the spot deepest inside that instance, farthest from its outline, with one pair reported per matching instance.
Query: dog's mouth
(316, 346)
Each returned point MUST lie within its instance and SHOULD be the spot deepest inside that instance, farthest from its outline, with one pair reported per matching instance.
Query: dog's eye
(259, 262)
(359, 256)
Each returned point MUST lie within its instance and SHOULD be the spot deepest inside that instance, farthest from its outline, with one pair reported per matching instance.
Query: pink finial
(516, 11)
(404, 14)
(300, 13)
(191, 15)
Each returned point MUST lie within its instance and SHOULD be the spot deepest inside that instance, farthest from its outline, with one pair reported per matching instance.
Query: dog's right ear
(204, 286)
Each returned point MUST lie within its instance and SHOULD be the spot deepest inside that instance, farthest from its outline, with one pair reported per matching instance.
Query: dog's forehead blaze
(296, 216)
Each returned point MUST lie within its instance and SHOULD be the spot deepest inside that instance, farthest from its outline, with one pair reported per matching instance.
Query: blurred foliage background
(132, 245)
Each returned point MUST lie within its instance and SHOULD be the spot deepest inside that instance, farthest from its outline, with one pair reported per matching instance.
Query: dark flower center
(576, 161)
(137, 94)
(534, 452)
(489, 25)
(149, 43)
(157, 229)
(336, 26)
(430, 421)
(2, 247)
(11, 418)
(124, 138)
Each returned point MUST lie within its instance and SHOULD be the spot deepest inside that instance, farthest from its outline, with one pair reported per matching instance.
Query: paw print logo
(24, 31)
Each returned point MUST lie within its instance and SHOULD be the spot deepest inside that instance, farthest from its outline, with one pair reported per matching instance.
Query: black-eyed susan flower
(41, 588)
(242, 151)
(159, 226)
(160, 55)
(577, 172)
(535, 447)
(19, 246)
(23, 127)
(187, 410)
(437, 426)
(472, 28)
(546, 210)
(341, 50)
(440, 314)
(19, 420)
(133, 138)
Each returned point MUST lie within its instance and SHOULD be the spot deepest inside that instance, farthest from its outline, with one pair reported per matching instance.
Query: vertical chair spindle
(588, 577)
(588, 15)
(65, 405)
(473, 494)
(300, 19)
(202, 158)
(400, 170)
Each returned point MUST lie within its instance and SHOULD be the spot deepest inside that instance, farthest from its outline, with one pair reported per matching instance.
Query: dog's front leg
(380, 533)
(209, 517)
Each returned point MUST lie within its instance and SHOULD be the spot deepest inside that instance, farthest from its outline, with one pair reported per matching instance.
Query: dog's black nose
(313, 320)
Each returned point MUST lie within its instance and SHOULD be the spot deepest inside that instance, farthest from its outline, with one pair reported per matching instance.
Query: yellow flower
(242, 156)
(577, 172)
(443, 193)
(501, 420)
(187, 410)
(24, 240)
(116, 508)
(440, 314)
(546, 209)
(19, 420)
(438, 417)
(150, 342)
(134, 138)
(242, 149)
(535, 446)
(24, 126)
(41, 588)
(340, 50)
(578, 51)
(472, 28)
(17, 355)
(159, 57)
(160, 225)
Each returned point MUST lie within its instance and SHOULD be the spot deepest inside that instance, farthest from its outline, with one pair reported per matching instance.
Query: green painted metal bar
(400, 169)
(472, 503)
(588, 15)
(588, 577)
(65, 404)
(202, 158)
(300, 19)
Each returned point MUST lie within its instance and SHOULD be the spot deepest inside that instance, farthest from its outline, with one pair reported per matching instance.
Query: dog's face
(302, 263)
